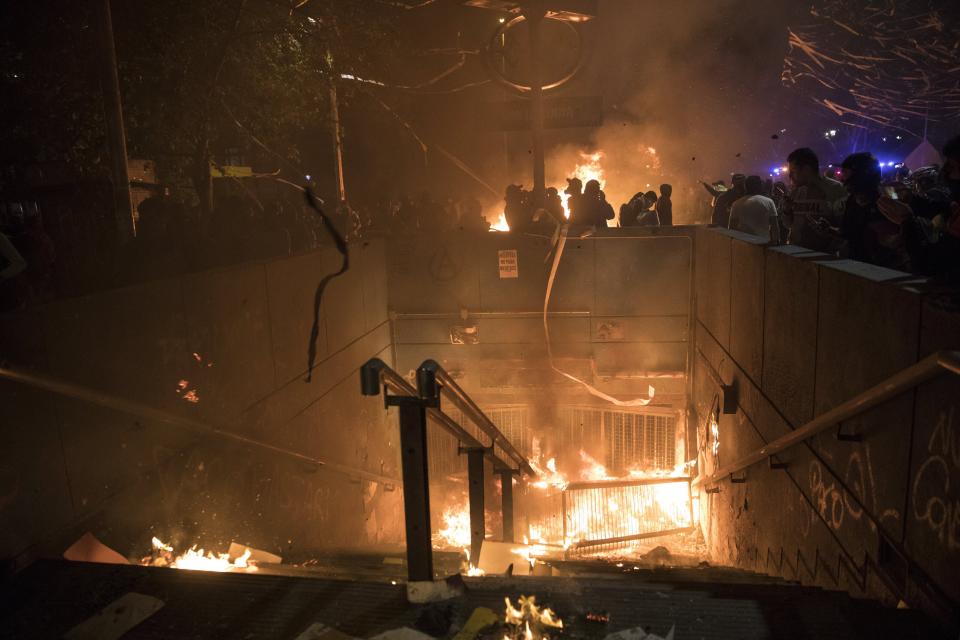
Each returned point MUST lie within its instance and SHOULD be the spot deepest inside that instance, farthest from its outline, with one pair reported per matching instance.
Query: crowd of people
(909, 222)
(586, 206)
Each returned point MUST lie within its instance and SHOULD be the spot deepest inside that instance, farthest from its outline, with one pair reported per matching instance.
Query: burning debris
(163, 555)
(185, 393)
(529, 621)
(601, 508)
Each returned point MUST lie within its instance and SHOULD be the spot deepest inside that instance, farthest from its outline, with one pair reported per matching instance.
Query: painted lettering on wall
(935, 500)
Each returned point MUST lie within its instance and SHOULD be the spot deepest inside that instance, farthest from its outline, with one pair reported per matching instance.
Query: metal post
(506, 503)
(477, 524)
(113, 118)
(534, 12)
(416, 487)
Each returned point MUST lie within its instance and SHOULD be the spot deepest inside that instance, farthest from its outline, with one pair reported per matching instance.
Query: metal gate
(611, 512)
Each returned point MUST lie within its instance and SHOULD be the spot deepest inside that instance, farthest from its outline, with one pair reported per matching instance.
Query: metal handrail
(415, 406)
(102, 399)
(376, 372)
(430, 373)
(914, 375)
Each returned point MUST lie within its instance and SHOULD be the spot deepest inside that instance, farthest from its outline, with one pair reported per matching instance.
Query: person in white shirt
(755, 213)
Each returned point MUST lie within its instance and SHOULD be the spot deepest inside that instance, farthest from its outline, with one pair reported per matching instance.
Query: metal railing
(415, 406)
(926, 369)
(913, 376)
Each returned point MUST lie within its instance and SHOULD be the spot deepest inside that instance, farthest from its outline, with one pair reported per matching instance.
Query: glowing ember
(196, 559)
(528, 620)
(474, 572)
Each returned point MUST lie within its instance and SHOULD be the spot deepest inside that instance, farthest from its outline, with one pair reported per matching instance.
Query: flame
(588, 169)
(549, 477)
(456, 528)
(617, 512)
(475, 571)
(501, 223)
(592, 470)
(196, 559)
(528, 620)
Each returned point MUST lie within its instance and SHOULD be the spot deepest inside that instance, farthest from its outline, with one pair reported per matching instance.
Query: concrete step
(51, 597)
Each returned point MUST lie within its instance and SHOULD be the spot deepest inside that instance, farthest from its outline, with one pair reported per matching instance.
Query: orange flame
(197, 559)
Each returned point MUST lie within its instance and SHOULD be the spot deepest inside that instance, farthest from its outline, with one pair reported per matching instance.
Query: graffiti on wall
(834, 504)
(936, 502)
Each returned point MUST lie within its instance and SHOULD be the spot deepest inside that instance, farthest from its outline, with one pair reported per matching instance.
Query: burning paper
(197, 559)
(528, 621)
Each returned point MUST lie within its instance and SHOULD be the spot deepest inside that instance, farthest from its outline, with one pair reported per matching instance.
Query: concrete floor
(51, 597)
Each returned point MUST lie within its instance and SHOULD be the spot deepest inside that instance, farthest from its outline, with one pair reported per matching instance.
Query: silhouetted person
(664, 206)
(638, 210)
(554, 205)
(755, 213)
(647, 215)
(596, 209)
(871, 236)
(516, 208)
(574, 204)
(724, 201)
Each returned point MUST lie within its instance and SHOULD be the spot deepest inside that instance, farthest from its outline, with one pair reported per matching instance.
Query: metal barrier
(612, 512)
(415, 406)
(586, 515)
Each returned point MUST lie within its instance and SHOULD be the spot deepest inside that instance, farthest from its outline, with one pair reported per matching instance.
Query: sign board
(509, 266)
(558, 113)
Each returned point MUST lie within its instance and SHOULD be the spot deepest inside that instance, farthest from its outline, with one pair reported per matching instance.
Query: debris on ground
(256, 556)
(88, 549)
(435, 619)
(480, 619)
(637, 633)
(402, 633)
(320, 631)
(115, 620)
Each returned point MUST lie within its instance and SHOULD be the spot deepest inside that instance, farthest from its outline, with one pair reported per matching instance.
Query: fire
(592, 470)
(456, 528)
(588, 169)
(549, 477)
(529, 621)
(456, 534)
(501, 223)
(587, 513)
(196, 559)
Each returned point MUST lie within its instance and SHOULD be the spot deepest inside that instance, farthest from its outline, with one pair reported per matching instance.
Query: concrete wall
(797, 333)
(238, 335)
(619, 311)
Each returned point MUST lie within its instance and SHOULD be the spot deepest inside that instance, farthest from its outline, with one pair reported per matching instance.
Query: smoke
(697, 82)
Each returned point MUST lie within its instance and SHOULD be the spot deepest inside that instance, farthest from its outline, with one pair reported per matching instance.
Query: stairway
(51, 597)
